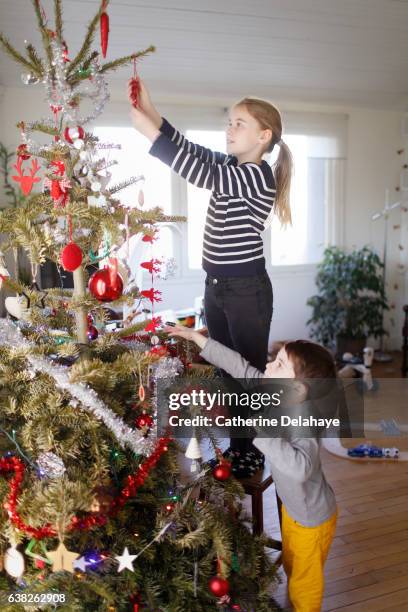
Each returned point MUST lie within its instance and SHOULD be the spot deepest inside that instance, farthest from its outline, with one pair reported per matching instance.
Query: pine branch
(87, 42)
(9, 189)
(123, 61)
(37, 126)
(35, 58)
(58, 19)
(45, 35)
(14, 54)
(131, 181)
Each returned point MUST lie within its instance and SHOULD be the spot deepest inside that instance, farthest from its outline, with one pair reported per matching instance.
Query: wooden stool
(255, 486)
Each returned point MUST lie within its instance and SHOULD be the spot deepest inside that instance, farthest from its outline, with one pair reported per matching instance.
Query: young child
(309, 510)
(238, 299)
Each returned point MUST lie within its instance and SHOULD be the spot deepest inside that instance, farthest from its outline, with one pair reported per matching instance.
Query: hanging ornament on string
(104, 26)
(154, 324)
(151, 237)
(144, 422)
(50, 465)
(218, 585)
(141, 391)
(71, 255)
(92, 332)
(22, 152)
(152, 295)
(153, 266)
(222, 470)
(59, 185)
(72, 134)
(103, 251)
(14, 562)
(62, 559)
(28, 78)
(193, 451)
(135, 88)
(26, 181)
(106, 285)
(40, 560)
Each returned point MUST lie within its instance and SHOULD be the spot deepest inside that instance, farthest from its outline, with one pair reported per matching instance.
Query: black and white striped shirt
(241, 200)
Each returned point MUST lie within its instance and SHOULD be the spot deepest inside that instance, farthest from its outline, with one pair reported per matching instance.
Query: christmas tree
(94, 514)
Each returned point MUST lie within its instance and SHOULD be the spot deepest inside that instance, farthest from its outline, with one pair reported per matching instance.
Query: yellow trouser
(304, 552)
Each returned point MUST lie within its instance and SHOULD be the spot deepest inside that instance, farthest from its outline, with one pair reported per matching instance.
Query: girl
(245, 190)
(309, 508)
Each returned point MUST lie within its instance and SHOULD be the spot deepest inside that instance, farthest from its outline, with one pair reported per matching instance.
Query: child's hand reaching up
(144, 102)
(188, 334)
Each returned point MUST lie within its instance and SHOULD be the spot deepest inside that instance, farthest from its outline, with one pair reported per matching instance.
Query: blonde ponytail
(269, 117)
(282, 171)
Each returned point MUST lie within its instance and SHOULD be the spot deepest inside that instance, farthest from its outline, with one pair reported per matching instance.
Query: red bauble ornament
(218, 586)
(144, 420)
(222, 471)
(135, 91)
(104, 24)
(92, 333)
(70, 134)
(71, 257)
(106, 285)
(22, 152)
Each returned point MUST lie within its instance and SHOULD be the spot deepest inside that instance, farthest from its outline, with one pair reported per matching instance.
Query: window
(317, 144)
(133, 159)
(304, 241)
(197, 199)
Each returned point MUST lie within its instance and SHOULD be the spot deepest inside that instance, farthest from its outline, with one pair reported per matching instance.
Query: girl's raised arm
(206, 155)
(247, 181)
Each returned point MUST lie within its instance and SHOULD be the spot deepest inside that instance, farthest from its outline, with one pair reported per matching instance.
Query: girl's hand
(145, 103)
(188, 334)
(144, 124)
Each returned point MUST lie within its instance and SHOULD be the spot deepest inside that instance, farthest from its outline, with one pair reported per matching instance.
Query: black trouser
(238, 312)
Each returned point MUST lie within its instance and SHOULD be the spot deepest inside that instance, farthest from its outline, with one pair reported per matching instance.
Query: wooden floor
(367, 569)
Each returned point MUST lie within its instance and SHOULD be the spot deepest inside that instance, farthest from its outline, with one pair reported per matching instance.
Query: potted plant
(351, 300)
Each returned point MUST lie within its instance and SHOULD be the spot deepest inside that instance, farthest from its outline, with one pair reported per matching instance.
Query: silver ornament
(29, 78)
(51, 465)
(154, 340)
(14, 562)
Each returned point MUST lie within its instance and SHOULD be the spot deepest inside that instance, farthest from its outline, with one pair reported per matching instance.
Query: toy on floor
(390, 428)
(370, 450)
(354, 364)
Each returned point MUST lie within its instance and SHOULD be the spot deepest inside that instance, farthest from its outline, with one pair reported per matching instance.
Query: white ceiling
(347, 52)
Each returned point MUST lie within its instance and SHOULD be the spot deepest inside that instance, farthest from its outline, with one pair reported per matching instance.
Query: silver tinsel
(10, 335)
(168, 367)
(59, 92)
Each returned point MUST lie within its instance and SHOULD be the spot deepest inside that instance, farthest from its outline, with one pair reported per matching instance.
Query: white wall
(372, 166)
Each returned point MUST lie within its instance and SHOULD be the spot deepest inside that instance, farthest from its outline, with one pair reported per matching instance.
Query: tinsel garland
(133, 482)
(10, 335)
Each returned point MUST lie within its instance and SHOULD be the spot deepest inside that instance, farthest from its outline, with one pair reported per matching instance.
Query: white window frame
(188, 117)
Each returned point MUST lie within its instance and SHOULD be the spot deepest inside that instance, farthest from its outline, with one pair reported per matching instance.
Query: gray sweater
(295, 463)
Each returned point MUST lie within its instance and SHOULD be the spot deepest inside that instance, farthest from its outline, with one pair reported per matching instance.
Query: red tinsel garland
(133, 482)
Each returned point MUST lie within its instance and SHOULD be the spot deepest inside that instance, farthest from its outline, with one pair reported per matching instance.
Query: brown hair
(311, 360)
(269, 118)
